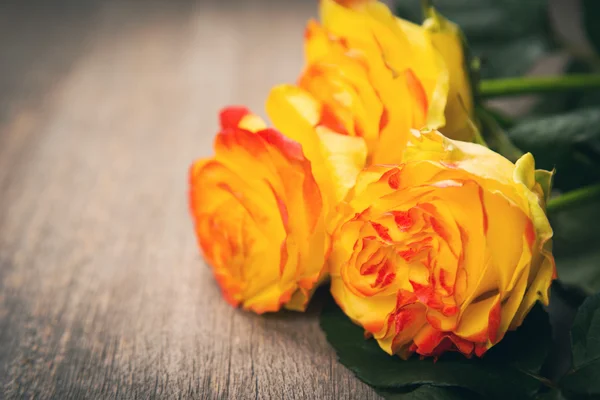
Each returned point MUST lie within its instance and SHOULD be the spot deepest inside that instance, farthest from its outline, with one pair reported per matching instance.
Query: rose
(260, 211)
(336, 159)
(379, 76)
(259, 215)
(446, 251)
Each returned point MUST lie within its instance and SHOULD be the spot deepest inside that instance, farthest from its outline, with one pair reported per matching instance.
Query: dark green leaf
(506, 371)
(591, 15)
(583, 381)
(428, 392)
(508, 35)
(550, 395)
(564, 303)
(577, 246)
(568, 142)
(527, 348)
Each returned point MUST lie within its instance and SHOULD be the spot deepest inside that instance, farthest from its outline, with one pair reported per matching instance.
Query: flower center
(415, 251)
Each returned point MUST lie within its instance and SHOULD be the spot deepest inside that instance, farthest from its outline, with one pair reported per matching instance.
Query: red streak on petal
(284, 298)
(382, 231)
(494, 321)
(417, 288)
(402, 319)
(228, 289)
(283, 211)
(291, 149)
(407, 255)
(449, 310)
(382, 274)
(348, 3)
(417, 90)
(427, 296)
(484, 211)
(373, 326)
(444, 280)
(389, 278)
(342, 41)
(361, 215)
(403, 220)
(313, 199)
(239, 138)
(415, 248)
(405, 297)
(390, 174)
(283, 258)
(480, 337)
(311, 27)
(439, 229)
(440, 342)
(429, 343)
(230, 117)
(369, 270)
(358, 129)
(331, 121)
(384, 120)
(480, 349)
(434, 301)
(436, 323)
(530, 234)
(464, 346)
(394, 180)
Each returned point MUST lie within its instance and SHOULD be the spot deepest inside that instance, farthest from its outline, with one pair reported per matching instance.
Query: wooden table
(103, 294)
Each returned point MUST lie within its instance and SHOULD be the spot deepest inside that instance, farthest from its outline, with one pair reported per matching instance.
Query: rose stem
(574, 198)
(540, 84)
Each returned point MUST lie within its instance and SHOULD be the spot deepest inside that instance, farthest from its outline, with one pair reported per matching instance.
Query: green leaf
(428, 392)
(591, 14)
(569, 142)
(551, 395)
(509, 370)
(577, 246)
(583, 381)
(564, 303)
(507, 35)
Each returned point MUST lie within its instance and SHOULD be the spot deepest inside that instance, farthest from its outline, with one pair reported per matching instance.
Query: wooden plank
(102, 290)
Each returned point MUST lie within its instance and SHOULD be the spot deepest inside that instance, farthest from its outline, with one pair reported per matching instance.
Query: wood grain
(103, 294)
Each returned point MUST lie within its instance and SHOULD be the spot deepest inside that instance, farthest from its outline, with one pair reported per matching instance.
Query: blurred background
(103, 106)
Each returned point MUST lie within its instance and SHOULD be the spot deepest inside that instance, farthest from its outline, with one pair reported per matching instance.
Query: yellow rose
(378, 76)
(259, 215)
(446, 251)
(336, 159)
(260, 211)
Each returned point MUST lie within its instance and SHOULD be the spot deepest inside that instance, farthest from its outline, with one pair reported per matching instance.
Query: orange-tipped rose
(259, 216)
(446, 251)
(378, 76)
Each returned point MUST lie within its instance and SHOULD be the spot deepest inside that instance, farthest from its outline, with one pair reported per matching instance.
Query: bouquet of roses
(387, 179)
